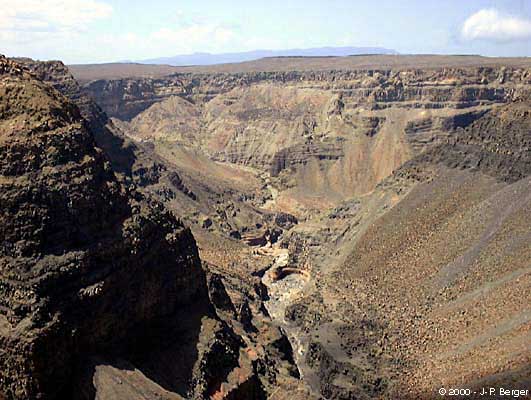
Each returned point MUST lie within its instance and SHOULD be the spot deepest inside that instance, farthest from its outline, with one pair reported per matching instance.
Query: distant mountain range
(210, 59)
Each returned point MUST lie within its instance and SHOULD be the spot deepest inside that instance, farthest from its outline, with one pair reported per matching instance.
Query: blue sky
(84, 31)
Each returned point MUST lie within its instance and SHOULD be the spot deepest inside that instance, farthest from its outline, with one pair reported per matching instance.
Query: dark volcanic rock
(178, 183)
(83, 262)
(285, 220)
(354, 382)
(121, 151)
(218, 294)
(497, 144)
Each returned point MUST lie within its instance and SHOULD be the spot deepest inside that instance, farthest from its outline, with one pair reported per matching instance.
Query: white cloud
(50, 15)
(164, 41)
(196, 35)
(490, 24)
(44, 28)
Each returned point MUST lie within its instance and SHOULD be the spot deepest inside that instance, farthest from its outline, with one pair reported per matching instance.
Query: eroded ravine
(255, 169)
(283, 291)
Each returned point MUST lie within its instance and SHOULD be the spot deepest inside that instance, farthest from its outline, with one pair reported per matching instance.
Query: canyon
(305, 228)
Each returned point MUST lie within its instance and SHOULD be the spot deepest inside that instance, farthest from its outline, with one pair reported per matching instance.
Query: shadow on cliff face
(187, 355)
(120, 151)
(168, 353)
(161, 361)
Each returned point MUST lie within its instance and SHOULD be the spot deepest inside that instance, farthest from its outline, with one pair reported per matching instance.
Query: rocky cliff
(376, 88)
(123, 153)
(333, 133)
(497, 144)
(98, 278)
(83, 261)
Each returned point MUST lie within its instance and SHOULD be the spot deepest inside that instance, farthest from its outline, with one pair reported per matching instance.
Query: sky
(94, 31)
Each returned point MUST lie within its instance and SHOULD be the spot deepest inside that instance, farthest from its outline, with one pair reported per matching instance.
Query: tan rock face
(424, 284)
(174, 119)
(326, 135)
(294, 132)
(250, 125)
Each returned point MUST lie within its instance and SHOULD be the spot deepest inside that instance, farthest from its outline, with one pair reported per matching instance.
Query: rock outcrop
(497, 144)
(123, 154)
(87, 266)
(98, 279)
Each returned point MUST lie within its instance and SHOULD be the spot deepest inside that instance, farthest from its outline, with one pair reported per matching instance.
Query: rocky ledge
(374, 88)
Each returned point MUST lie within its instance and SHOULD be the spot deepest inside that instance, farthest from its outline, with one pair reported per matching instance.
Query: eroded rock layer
(378, 88)
(323, 135)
